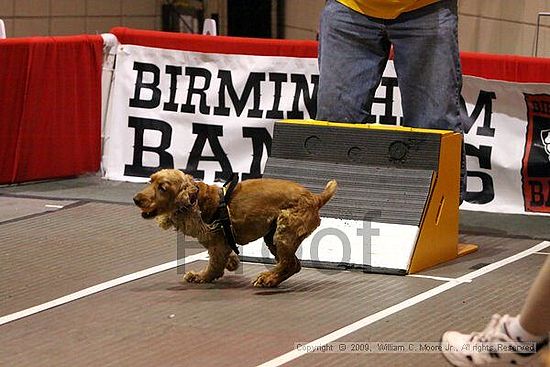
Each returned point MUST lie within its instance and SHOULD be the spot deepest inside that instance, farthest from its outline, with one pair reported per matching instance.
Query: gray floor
(94, 188)
(63, 236)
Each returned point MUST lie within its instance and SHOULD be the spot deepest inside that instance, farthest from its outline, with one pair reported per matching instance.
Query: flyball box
(396, 208)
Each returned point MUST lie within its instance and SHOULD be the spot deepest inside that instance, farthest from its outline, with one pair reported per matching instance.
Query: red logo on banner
(535, 170)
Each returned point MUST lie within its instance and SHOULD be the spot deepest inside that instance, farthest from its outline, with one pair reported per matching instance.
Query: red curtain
(50, 107)
(216, 44)
(520, 69)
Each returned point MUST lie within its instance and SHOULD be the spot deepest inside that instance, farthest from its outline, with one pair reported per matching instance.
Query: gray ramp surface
(378, 194)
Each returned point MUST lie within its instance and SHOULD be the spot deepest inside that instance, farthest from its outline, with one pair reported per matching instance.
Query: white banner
(213, 114)
(207, 114)
(507, 146)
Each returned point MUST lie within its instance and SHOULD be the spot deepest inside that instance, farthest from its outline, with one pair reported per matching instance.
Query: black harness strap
(229, 187)
(223, 211)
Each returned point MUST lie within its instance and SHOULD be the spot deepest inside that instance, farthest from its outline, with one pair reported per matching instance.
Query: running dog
(283, 212)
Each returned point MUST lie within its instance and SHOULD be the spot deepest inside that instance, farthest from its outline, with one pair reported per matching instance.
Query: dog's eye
(162, 188)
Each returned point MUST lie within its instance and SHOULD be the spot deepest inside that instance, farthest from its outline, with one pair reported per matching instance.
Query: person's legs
(531, 326)
(429, 74)
(353, 51)
(427, 63)
(535, 314)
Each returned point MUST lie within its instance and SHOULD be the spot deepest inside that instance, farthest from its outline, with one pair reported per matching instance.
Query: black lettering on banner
(537, 194)
(387, 118)
(260, 138)
(535, 171)
(541, 107)
(275, 112)
(166, 160)
(193, 73)
(310, 100)
(174, 72)
(487, 193)
(208, 133)
(154, 102)
(226, 84)
(484, 102)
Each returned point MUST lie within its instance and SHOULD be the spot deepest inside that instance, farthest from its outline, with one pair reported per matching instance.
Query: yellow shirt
(385, 9)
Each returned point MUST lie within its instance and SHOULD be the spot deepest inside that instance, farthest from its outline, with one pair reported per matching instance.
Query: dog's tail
(328, 193)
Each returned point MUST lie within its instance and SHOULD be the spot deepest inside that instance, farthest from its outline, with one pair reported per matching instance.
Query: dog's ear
(187, 196)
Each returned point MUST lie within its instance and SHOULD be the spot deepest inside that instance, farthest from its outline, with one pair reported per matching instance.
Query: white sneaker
(491, 346)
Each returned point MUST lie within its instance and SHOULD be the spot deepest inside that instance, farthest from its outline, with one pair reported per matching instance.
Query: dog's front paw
(193, 277)
(266, 280)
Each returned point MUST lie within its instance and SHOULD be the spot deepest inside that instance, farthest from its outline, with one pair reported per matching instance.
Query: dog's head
(169, 190)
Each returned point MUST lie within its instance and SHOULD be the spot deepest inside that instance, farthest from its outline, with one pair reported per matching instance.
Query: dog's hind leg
(293, 226)
(287, 265)
(268, 239)
(219, 256)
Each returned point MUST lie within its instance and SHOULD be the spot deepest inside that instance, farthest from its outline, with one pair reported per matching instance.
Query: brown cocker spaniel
(283, 212)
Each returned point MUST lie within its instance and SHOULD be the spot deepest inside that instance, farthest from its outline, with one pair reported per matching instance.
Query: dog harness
(223, 217)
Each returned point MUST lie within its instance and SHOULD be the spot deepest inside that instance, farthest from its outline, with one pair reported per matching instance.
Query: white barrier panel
(351, 244)
(204, 113)
(508, 159)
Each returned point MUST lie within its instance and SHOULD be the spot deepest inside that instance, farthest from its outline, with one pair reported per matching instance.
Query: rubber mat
(14, 208)
(156, 321)
(87, 187)
(490, 249)
(57, 253)
(466, 308)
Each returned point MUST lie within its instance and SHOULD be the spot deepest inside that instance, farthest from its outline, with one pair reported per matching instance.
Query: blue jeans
(354, 50)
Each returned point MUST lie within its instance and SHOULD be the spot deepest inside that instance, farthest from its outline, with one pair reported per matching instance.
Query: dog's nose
(137, 200)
